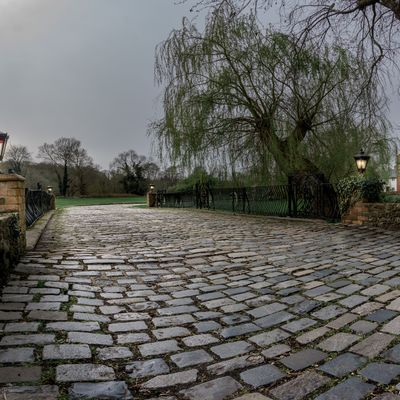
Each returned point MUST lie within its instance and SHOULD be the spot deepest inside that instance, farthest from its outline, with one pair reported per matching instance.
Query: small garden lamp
(152, 187)
(361, 160)
(3, 144)
(50, 189)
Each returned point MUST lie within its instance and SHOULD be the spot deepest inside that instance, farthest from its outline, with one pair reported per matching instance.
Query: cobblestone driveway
(125, 303)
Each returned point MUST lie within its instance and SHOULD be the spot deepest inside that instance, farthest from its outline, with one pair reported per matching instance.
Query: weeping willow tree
(238, 94)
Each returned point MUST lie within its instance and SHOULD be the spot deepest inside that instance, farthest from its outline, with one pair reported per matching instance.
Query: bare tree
(17, 158)
(151, 171)
(63, 154)
(81, 163)
(131, 167)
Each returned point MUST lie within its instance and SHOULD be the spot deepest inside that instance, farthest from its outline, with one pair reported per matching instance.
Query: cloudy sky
(84, 69)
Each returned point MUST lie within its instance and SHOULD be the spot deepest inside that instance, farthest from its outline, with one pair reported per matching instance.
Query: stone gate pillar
(151, 199)
(12, 199)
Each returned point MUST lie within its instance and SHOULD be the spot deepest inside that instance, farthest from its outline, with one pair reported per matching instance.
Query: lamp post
(50, 189)
(361, 160)
(3, 144)
(152, 187)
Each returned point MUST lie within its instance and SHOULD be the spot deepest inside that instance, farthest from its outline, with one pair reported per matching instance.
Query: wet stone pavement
(126, 303)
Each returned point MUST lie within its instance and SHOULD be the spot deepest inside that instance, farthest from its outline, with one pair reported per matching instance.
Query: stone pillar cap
(11, 178)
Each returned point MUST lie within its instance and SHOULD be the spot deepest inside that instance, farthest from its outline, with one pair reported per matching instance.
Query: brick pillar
(53, 202)
(12, 199)
(151, 199)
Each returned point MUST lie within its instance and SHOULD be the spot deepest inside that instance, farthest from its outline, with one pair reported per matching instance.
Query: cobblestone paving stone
(118, 302)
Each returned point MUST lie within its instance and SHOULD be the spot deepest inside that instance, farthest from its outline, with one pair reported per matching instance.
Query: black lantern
(361, 161)
(3, 144)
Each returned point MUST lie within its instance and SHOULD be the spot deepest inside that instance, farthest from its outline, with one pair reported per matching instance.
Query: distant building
(393, 180)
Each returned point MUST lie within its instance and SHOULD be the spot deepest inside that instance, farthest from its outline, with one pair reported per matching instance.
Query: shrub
(356, 188)
(371, 189)
(391, 198)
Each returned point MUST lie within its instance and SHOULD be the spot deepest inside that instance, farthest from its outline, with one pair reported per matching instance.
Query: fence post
(320, 199)
(12, 200)
(244, 199)
(211, 194)
(290, 195)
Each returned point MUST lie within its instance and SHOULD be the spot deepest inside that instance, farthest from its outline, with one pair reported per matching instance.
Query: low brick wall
(11, 244)
(382, 215)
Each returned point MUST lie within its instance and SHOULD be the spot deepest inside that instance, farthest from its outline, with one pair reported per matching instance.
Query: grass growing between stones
(63, 396)
(49, 376)
(36, 297)
(65, 306)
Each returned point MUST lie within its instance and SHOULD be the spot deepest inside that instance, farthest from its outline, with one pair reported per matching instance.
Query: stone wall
(11, 244)
(382, 215)
(12, 197)
(12, 222)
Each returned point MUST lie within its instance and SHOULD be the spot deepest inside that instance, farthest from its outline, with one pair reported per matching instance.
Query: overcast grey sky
(84, 69)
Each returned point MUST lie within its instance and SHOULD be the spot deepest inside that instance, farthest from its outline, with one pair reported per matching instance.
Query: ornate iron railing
(38, 203)
(305, 199)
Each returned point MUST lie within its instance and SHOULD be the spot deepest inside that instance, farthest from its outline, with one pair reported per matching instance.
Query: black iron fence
(305, 199)
(38, 203)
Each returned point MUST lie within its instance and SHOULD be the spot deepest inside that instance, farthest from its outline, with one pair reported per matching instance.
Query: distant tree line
(67, 167)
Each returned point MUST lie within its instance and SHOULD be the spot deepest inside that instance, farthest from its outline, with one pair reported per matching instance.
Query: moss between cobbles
(65, 306)
(48, 375)
(26, 383)
(63, 395)
(36, 297)
(61, 337)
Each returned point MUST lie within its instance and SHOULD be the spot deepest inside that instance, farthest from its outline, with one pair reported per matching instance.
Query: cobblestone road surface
(125, 303)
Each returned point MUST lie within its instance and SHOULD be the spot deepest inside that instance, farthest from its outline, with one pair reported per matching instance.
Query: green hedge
(391, 198)
(356, 188)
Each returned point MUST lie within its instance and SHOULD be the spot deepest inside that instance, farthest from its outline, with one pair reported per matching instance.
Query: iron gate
(310, 197)
(303, 197)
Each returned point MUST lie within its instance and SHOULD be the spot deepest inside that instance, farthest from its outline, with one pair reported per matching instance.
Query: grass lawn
(62, 202)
